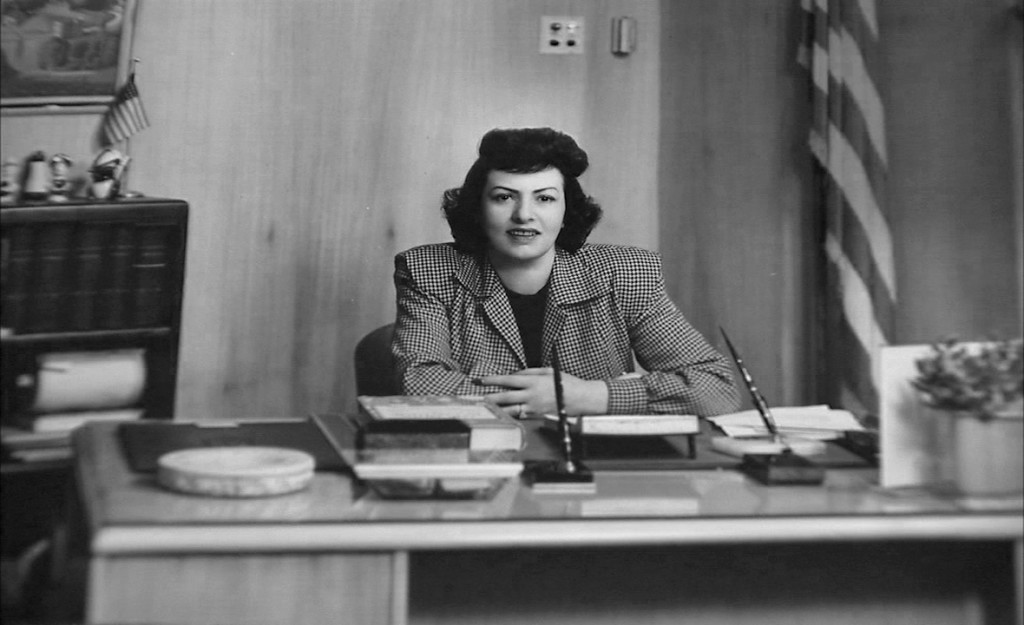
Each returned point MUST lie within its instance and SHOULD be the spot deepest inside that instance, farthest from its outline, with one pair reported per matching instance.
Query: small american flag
(126, 115)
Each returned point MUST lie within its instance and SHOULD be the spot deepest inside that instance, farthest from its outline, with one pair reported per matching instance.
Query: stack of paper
(630, 425)
(809, 422)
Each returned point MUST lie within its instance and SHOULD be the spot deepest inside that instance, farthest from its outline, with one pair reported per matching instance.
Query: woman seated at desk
(483, 315)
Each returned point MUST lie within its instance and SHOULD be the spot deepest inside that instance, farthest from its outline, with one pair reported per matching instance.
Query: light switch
(623, 36)
(561, 35)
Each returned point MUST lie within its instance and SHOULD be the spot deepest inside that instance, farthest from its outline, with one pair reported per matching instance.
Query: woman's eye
(501, 197)
(546, 198)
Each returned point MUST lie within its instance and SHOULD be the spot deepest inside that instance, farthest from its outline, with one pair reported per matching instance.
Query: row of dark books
(60, 277)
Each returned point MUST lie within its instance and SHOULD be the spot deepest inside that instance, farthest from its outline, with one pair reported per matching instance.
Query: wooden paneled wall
(313, 139)
(737, 218)
(952, 173)
(737, 223)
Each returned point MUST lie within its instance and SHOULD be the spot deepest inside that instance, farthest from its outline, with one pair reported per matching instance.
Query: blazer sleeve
(423, 359)
(683, 372)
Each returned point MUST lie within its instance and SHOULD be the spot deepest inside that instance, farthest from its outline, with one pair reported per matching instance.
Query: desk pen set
(786, 467)
(568, 474)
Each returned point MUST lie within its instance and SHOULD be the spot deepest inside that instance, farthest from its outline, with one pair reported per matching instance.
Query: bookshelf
(81, 277)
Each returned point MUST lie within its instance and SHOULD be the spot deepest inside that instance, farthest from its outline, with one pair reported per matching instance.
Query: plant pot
(989, 455)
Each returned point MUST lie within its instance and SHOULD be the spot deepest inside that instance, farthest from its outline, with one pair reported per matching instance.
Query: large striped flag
(842, 53)
(126, 115)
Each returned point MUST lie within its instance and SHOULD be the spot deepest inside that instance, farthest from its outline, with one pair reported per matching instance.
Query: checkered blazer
(606, 303)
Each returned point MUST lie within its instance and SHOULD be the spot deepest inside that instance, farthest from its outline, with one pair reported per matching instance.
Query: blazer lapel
(572, 284)
(479, 278)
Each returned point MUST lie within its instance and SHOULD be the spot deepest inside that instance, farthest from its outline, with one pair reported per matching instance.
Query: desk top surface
(129, 512)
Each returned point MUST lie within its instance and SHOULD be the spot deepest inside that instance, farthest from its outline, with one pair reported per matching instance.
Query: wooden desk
(653, 547)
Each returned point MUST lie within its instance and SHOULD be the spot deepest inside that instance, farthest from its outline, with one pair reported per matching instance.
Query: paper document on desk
(817, 422)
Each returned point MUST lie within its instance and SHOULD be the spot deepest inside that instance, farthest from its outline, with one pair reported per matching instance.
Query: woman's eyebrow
(555, 189)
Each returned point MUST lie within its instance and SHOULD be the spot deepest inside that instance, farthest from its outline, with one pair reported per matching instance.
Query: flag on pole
(126, 115)
(841, 51)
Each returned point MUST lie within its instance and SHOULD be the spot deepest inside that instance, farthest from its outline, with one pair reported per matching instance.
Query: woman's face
(522, 214)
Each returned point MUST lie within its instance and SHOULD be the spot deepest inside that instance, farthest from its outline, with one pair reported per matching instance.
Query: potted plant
(981, 385)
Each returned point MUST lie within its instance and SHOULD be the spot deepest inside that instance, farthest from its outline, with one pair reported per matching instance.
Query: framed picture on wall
(64, 52)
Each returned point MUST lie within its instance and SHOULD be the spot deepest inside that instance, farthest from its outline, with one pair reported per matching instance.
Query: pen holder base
(782, 468)
(555, 477)
(864, 443)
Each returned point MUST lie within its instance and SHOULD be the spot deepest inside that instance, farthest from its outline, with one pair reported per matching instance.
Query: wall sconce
(623, 36)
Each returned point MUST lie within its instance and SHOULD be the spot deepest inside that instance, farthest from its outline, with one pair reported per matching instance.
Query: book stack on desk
(419, 458)
(490, 428)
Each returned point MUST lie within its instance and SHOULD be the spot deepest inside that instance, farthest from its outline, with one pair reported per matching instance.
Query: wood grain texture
(313, 140)
(1015, 72)
(846, 553)
(737, 228)
(737, 213)
(951, 177)
(239, 588)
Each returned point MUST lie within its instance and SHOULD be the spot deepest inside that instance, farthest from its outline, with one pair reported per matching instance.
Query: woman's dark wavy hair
(522, 151)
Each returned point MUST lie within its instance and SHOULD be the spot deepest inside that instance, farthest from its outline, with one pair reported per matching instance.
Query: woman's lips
(523, 234)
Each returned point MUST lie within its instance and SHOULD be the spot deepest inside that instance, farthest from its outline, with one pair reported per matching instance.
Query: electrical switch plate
(561, 35)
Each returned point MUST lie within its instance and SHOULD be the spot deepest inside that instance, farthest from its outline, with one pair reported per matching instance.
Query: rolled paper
(104, 380)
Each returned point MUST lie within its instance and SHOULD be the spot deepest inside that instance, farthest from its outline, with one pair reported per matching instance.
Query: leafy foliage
(982, 381)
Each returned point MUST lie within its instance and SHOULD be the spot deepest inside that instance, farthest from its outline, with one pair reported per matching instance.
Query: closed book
(117, 288)
(85, 296)
(16, 276)
(377, 434)
(152, 271)
(49, 291)
(490, 427)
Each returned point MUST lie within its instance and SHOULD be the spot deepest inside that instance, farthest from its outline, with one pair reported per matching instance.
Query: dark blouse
(529, 313)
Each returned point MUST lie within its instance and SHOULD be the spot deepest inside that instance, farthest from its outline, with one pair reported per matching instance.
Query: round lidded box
(236, 471)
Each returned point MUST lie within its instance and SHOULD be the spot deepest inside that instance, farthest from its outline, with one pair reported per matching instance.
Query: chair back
(375, 366)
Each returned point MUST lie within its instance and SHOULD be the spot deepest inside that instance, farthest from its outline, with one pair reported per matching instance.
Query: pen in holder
(567, 474)
(563, 417)
(786, 467)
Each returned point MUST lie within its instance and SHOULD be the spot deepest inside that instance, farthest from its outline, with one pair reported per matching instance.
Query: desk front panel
(715, 503)
(709, 546)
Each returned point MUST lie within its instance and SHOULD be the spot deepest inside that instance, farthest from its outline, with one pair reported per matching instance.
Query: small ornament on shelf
(37, 178)
(60, 184)
(106, 173)
(9, 186)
